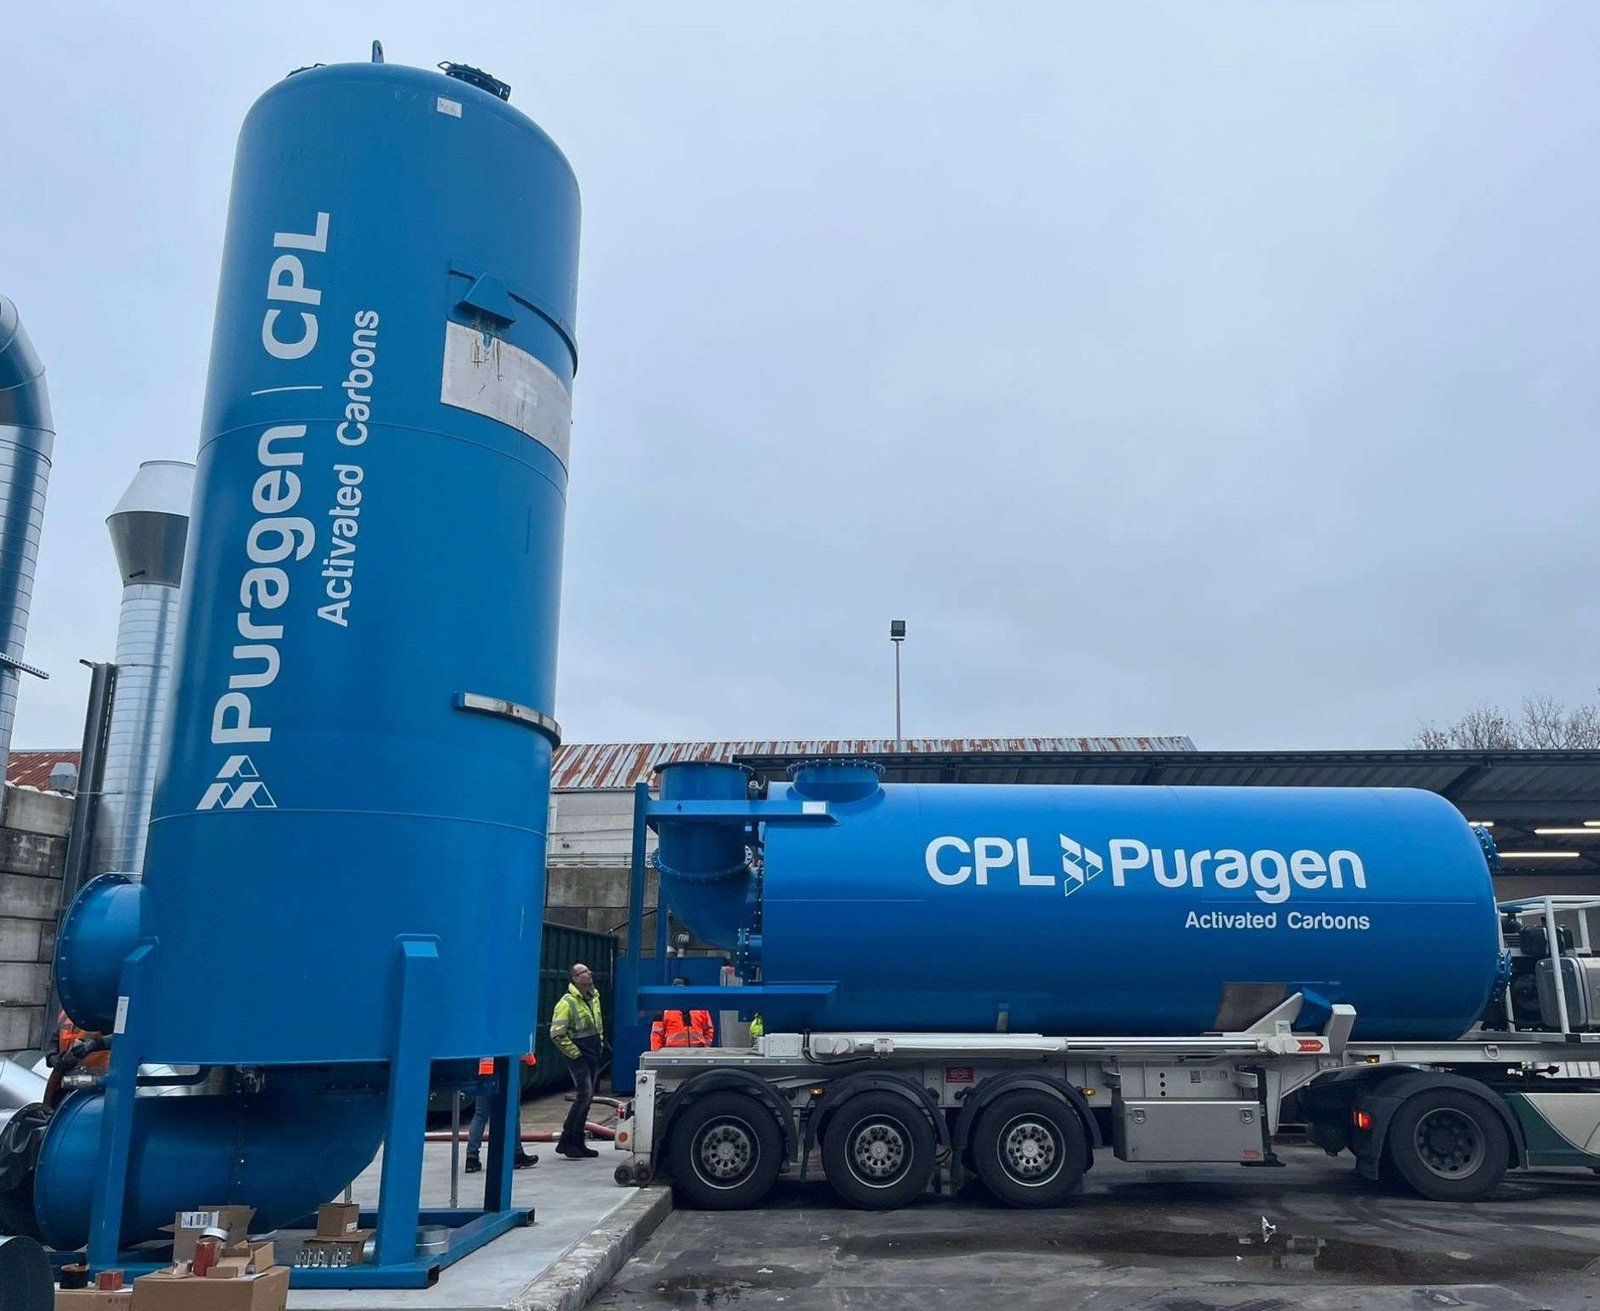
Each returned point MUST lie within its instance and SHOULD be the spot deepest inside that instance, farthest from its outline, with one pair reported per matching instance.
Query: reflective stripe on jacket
(573, 1018)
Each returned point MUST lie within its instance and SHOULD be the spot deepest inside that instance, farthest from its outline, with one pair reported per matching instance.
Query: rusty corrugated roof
(31, 769)
(604, 766)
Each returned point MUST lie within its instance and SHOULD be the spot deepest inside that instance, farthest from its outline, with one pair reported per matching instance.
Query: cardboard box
(337, 1219)
(92, 1299)
(354, 1245)
(260, 1255)
(166, 1290)
(186, 1228)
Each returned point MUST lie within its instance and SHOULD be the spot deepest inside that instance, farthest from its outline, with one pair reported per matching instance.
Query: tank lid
(836, 779)
(478, 78)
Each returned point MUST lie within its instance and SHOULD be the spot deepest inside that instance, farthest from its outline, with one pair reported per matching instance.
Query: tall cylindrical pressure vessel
(27, 437)
(362, 707)
(1101, 910)
(149, 528)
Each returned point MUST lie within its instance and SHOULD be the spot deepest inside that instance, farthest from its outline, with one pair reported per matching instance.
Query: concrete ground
(1308, 1238)
(570, 1198)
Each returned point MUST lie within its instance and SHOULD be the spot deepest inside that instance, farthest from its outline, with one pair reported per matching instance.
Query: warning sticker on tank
(497, 380)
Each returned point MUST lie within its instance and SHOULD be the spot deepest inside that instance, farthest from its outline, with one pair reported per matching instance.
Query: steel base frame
(415, 1027)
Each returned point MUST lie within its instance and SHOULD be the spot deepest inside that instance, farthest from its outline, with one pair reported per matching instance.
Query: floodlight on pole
(897, 635)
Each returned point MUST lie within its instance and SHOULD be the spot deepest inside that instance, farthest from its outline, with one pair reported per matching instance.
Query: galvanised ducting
(27, 436)
(149, 529)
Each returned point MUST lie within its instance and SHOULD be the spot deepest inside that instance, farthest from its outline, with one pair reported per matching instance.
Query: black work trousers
(583, 1069)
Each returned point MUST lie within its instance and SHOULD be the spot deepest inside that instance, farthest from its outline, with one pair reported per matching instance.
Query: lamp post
(897, 635)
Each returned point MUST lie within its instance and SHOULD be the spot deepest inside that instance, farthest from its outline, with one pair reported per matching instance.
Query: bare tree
(1583, 727)
(1545, 722)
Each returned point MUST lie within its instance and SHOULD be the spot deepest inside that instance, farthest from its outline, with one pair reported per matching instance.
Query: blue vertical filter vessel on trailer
(345, 875)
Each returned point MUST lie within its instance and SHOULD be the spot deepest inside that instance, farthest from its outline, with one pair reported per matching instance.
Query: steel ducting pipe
(27, 435)
(149, 531)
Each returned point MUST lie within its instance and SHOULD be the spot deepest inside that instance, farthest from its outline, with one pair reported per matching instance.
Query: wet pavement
(1203, 1238)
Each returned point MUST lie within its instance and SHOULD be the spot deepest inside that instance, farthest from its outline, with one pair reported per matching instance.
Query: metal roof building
(1517, 792)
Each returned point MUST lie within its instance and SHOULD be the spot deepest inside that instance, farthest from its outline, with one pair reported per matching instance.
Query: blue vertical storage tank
(361, 728)
(1094, 910)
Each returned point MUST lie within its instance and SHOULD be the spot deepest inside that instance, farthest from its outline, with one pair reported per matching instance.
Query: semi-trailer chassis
(886, 1116)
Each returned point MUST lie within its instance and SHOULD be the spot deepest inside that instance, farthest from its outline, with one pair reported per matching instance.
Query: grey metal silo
(27, 435)
(149, 529)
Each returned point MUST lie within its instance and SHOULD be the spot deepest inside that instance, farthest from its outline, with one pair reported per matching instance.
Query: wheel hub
(1029, 1150)
(726, 1151)
(878, 1150)
(1449, 1143)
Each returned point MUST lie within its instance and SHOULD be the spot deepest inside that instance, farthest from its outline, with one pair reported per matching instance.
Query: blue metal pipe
(284, 1151)
(100, 928)
(705, 875)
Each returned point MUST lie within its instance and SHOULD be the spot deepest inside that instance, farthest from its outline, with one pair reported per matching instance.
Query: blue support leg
(116, 1124)
(416, 1023)
(505, 1135)
(636, 878)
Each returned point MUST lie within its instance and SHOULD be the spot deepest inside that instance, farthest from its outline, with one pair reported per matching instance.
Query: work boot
(571, 1150)
(474, 1165)
(524, 1160)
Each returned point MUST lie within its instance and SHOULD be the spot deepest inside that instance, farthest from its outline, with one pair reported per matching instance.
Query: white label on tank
(813, 807)
(451, 107)
(493, 378)
(122, 1016)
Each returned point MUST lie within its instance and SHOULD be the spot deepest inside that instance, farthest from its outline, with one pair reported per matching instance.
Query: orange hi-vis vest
(673, 1030)
(68, 1033)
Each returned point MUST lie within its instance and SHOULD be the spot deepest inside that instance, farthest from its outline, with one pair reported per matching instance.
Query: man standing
(576, 1029)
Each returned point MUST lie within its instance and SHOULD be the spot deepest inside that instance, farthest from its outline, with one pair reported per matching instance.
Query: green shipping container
(560, 947)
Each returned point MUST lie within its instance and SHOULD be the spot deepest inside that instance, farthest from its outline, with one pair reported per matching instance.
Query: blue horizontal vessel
(1082, 910)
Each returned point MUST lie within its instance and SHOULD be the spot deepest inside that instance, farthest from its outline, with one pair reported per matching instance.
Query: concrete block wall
(33, 841)
(591, 839)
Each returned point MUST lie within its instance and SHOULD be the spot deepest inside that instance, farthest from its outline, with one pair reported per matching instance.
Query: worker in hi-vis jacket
(577, 1029)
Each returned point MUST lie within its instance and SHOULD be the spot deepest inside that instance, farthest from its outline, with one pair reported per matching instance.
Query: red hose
(600, 1131)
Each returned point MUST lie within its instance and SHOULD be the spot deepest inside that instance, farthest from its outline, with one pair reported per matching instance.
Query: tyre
(16, 1214)
(878, 1151)
(725, 1152)
(1448, 1145)
(1029, 1149)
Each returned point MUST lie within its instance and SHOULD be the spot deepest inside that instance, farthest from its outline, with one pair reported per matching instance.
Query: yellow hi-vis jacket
(575, 1017)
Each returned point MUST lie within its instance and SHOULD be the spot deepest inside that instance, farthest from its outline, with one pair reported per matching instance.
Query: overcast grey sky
(1221, 369)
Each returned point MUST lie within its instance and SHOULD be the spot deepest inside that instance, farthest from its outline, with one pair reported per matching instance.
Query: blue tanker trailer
(996, 981)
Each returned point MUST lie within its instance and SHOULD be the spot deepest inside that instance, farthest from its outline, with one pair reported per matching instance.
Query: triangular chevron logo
(237, 786)
(1079, 864)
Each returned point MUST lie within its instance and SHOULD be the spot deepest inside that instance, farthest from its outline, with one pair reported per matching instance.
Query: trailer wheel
(1450, 1146)
(725, 1152)
(878, 1151)
(1029, 1149)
